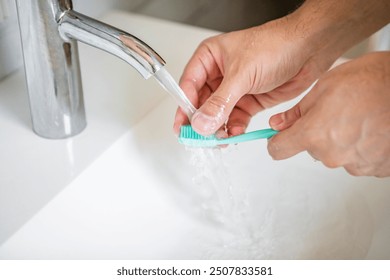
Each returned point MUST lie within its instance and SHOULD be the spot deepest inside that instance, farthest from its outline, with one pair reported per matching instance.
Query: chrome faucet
(49, 31)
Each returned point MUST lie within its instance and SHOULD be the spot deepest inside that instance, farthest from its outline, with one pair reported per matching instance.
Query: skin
(344, 121)
(233, 82)
(233, 76)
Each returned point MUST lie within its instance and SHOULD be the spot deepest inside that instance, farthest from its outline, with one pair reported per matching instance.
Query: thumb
(291, 139)
(286, 119)
(217, 108)
(287, 143)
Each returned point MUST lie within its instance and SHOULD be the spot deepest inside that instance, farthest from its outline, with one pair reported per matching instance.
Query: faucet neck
(76, 26)
(49, 32)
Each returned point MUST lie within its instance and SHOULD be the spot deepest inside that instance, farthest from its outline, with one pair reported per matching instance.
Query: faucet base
(73, 130)
(52, 70)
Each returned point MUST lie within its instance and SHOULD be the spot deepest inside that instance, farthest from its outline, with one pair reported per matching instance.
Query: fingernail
(204, 124)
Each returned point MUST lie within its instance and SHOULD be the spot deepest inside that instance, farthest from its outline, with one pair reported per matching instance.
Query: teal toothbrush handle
(254, 135)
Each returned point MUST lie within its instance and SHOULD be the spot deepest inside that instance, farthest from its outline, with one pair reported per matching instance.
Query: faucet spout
(76, 26)
(49, 31)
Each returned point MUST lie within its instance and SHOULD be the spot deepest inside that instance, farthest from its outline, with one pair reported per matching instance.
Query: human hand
(233, 76)
(344, 121)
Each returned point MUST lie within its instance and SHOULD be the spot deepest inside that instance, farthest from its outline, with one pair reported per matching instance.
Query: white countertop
(33, 170)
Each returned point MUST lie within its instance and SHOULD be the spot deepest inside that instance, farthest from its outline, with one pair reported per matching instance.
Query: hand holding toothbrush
(233, 76)
(344, 121)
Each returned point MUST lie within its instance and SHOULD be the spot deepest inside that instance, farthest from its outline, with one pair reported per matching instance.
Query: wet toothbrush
(189, 137)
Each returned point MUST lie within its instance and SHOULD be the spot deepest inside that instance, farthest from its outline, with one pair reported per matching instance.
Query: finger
(201, 68)
(238, 122)
(242, 113)
(221, 134)
(216, 109)
(200, 72)
(286, 119)
(196, 99)
(180, 120)
(292, 139)
(287, 143)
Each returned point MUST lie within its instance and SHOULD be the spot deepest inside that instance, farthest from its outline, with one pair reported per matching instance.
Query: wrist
(327, 29)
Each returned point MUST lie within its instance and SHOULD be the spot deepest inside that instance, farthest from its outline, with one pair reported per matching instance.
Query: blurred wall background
(222, 15)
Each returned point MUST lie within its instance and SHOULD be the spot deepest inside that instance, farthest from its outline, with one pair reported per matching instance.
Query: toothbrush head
(190, 137)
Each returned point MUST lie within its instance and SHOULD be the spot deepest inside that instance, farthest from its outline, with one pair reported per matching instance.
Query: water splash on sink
(212, 183)
(227, 206)
(224, 204)
(250, 220)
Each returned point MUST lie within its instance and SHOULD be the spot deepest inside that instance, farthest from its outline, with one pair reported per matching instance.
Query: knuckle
(208, 41)
(216, 105)
(218, 100)
(204, 44)
(332, 159)
(296, 112)
(331, 163)
(292, 115)
(353, 170)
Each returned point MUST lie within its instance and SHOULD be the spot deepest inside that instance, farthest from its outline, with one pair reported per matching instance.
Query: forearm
(330, 27)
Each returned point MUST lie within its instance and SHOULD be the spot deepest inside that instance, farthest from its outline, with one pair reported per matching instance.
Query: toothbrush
(189, 137)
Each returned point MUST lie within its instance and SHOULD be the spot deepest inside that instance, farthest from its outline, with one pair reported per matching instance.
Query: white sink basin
(125, 189)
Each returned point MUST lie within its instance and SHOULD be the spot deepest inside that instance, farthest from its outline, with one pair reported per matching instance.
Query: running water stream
(222, 203)
(257, 211)
(169, 84)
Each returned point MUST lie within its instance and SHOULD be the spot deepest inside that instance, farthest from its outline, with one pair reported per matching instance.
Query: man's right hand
(235, 75)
